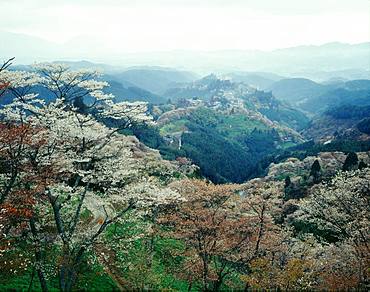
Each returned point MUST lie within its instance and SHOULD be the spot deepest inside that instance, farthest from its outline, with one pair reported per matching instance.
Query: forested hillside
(87, 206)
(184, 145)
(207, 116)
(316, 98)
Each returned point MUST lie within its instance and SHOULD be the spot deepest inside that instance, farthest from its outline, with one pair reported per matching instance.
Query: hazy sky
(152, 25)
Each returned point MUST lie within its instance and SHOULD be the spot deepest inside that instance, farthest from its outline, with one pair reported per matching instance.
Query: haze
(160, 25)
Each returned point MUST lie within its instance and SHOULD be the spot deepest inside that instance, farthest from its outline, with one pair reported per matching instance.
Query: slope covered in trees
(297, 89)
(317, 98)
(340, 122)
(85, 206)
(156, 80)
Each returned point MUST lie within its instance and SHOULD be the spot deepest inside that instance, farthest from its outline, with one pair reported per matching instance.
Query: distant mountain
(224, 94)
(341, 57)
(132, 93)
(361, 84)
(336, 97)
(203, 89)
(76, 65)
(122, 90)
(259, 80)
(73, 65)
(25, 48)
(349, 61)
(327, 76)
(121, 93)
(316, 98)
(155, 80)
(355, 84)
(297, 89)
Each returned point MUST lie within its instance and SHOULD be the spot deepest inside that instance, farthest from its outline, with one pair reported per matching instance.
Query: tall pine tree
(316, 171)
(351, 162)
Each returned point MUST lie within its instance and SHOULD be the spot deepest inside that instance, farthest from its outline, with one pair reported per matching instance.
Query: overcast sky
(154, 25)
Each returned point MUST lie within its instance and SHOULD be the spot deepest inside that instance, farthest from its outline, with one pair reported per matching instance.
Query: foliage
(206, 135)
(59, 158)
(222, 232)
(207, 150)
(351, 162)
(315, 171)
(286, 116)
(349, 112)
(364, 126)
(341, 207)
(86, 208)
(311, 148)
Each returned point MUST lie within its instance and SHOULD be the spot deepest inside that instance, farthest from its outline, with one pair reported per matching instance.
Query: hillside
(258, 80)
(184, 146)
(224, 93)
(213, 113)
(330, 163)
(315, 98)
(297, 90)
(340, 122)
(94, 185)
(132, 93)
(156, 80)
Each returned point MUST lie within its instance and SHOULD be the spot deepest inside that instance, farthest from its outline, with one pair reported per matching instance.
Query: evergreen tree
(351, 162)
(315, 171)
(287, 182)
(287, 188)
(362, 165)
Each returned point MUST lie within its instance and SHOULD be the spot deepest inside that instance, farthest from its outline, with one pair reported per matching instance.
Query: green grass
(86, 215)
(286, 145)
(163, 273)
(21, 282)
(154, 269)
(232, 126)
(173, 127)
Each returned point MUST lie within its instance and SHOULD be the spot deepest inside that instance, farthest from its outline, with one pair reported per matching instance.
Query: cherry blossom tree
(224, 228)
(81, 160)
(206, 226)
(4, 85)
(342, 208)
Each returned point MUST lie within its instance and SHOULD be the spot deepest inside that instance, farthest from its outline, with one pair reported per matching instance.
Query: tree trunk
(38, 255)
(41, 276)
(220, 279)
(205, 274)
(67, 277)
(190, 286)
(70, 267)
(31, 282)
(217, 285)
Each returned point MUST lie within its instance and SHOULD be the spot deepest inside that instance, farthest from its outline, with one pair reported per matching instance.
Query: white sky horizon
(65, 43)
(170, 25)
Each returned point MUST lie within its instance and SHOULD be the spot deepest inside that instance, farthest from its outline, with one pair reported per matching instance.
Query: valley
(161, 179)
